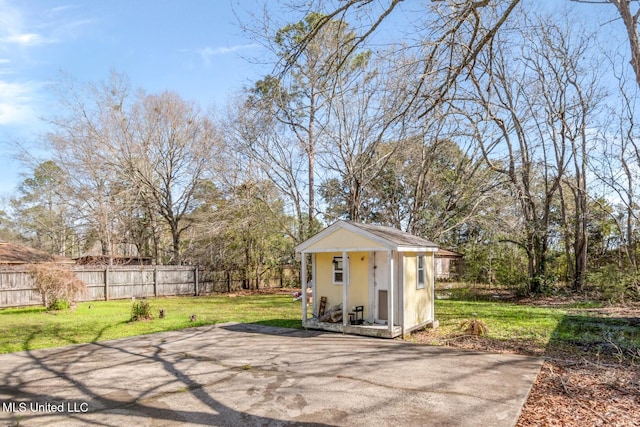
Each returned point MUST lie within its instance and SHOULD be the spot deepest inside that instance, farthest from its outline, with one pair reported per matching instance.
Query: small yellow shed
(378, 280)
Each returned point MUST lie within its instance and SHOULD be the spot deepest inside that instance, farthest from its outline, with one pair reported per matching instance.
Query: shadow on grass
(556, 328)
(56, 333)
(30, 310)
(593, 335)
(474, 295)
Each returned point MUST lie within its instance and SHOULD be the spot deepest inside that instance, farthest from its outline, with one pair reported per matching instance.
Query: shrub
(141, 310)
(58, 287)
(538, 285)
(614, 284)
(474, 327)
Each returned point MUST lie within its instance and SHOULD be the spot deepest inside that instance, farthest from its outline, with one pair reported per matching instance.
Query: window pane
(338, 269)
(421, 272)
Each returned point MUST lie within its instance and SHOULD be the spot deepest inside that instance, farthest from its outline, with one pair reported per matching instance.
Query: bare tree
(571, 94)
(504, 131)
(448, 36)
(265, 146)
(616, 165)
(363, 112)
(300, 97)
(167, 153)
(292, 110)
(539, 107)
(630, 21)
(130, 160)
(81, 145)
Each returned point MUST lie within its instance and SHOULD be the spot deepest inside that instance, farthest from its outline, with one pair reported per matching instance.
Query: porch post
(345, 285)
(372, 286)
(303, 283)
(433, 286)
(391, 290)
(314, 299)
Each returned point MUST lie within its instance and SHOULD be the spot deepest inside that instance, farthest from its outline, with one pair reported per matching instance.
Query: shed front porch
(366, 300)
(367, 280)
(380, 331)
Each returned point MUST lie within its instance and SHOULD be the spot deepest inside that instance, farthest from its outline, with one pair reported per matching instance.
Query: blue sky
(194, 47)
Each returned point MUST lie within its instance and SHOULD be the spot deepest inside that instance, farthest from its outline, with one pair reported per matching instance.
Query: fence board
(17, 287)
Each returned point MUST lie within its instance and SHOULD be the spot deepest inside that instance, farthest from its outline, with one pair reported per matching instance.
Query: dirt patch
(583, 393)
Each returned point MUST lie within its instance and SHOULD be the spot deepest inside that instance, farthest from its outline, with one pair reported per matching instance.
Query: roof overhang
(416, 249)
(384, 244)
(304, 247)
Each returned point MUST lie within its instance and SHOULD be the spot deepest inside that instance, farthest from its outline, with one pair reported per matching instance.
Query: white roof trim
(346, 226)
(385, 243)
(416, 249)
(349, 250)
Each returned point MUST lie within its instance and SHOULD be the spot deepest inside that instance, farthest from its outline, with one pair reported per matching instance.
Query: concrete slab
(237, 374)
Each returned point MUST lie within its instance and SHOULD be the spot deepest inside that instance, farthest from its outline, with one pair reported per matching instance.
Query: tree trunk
(631, 25)
(175, 238)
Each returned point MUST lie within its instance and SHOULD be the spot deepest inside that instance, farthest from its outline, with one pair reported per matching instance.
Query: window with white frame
(338, 270)
(421, 272)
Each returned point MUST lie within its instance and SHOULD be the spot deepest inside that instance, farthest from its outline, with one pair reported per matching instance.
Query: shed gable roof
(394, 235)
(384, 237)
(448, 253)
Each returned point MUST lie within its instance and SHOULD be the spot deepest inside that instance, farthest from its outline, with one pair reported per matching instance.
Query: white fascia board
(417, 249)
(349, 250)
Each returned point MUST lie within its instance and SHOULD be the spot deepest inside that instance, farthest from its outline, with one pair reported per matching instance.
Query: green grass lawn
(504, 320)
(538, 329)
(33, 327)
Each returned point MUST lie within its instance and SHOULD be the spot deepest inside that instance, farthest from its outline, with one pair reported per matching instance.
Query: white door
(380, 287)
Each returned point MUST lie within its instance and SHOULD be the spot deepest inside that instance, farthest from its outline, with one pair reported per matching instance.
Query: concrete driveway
(237, 374)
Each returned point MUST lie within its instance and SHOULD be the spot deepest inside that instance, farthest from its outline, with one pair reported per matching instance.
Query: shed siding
(324, 280)
(359, 283)
(430, 287)
(358, 292)
(417, 302)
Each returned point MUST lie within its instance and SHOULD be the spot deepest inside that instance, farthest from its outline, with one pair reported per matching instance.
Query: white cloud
(17, 102)
(23, 32)
(70, 30)
(25, 39)
(208, 52)
(17, 31)
(10, 19)
(61, 8)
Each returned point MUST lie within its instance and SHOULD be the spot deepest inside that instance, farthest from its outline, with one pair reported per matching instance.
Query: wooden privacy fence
(17, 287)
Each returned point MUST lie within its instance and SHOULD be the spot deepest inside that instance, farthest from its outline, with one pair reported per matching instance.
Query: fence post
(155, 281)
(106, 283)
(195, 280)
(228, 282)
